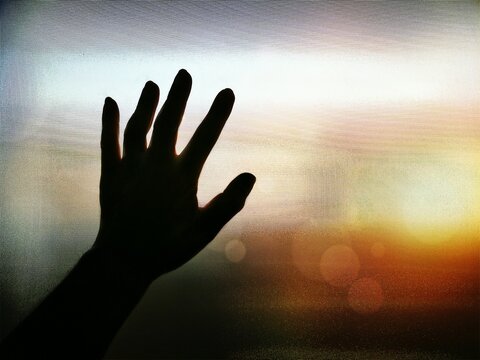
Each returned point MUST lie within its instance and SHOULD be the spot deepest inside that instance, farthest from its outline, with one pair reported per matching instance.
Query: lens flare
(339, 265)
(235, 251)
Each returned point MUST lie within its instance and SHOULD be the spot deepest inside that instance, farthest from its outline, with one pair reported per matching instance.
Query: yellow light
(436, 200)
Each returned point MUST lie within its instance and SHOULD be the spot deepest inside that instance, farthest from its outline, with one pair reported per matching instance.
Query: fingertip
(151, 86)
(248, 178)
(184, 73)
(228, 93)
(243, 183)
(224, 100)
(183, 79)
(110, 104)
(248, 182)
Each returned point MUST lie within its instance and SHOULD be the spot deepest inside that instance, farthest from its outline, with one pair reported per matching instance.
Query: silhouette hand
(149, 207)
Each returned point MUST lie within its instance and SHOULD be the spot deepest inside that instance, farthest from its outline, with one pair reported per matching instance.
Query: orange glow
(339, 265)
(365, 296)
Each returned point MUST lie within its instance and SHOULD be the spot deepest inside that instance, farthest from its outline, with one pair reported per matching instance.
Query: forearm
(82, 315)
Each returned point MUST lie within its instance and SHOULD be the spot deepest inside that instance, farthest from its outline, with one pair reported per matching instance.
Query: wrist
(117, 267)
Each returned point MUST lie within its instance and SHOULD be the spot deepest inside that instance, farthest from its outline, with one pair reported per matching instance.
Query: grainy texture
(361, 121)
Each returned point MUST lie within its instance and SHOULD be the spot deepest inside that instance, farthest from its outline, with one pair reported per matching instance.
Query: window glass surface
(360, 120)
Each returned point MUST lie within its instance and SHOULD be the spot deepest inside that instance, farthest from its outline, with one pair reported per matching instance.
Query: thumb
(224, 206)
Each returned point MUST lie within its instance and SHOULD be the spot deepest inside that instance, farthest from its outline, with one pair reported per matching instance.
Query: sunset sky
(352, 115)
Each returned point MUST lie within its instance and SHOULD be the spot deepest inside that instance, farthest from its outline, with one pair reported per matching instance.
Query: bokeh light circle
(339, 265)
(235, 250)
(365, 296)
(309, 243)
